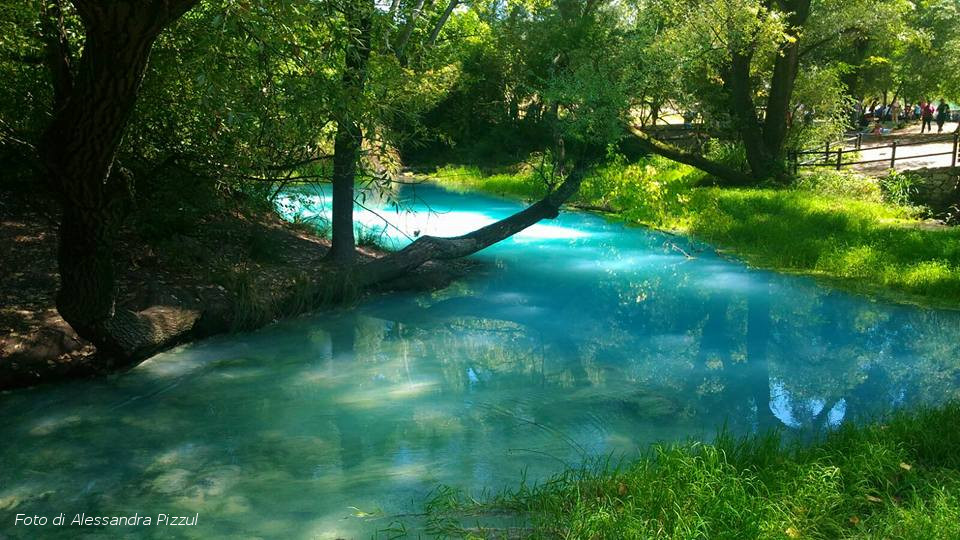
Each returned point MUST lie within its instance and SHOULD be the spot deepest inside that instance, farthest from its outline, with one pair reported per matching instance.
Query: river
(580, 337)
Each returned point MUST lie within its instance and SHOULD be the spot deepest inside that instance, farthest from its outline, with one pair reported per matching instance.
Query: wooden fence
(832, 156)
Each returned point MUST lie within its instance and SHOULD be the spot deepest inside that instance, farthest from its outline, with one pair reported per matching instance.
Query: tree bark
(346, 150)
(408, 30)
(452, 5)
(763, 141)
(737, 82)
(349, 139)
(78, 150)
(784, 79)
(724, 174)
(429, 248)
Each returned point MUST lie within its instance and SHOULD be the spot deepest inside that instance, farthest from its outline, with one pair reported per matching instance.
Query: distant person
(895, 112)
(943, 112)
(872, 110)
(917, 110)
(926, 116)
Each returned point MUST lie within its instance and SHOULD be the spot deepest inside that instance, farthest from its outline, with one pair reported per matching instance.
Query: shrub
(899, 187)
(849, 184)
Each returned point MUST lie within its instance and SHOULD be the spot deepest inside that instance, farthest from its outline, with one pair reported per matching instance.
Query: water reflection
(565, 346)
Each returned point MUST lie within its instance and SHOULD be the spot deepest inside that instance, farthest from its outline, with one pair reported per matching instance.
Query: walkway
(910, 134)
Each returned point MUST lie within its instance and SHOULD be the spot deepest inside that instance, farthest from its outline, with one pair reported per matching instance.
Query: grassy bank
(850, 229)
(897, 479)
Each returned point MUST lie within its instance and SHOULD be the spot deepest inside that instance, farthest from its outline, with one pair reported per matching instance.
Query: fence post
(839, 158)
(826, 153)
(859, 141)
(893, 155)
(956, 139)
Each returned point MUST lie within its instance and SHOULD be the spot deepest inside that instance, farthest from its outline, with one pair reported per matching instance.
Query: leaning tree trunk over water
(349, 139)
(78, 151)
(431, 248)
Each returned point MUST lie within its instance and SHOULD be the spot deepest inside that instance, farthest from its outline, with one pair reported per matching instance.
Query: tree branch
(723, 173)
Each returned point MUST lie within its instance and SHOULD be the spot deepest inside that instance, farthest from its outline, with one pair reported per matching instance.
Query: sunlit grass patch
(522, 184)
(897, 479)
(865, 244)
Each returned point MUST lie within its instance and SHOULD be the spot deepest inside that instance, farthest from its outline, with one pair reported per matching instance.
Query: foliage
(821, 108)
(645, 192)
(25, 96)
(511, 183)
(845, 183)
(898, 478)
(898, 187)
(731, 154)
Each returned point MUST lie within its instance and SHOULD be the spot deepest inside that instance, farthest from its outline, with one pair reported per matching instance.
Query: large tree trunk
(429, 248)
(737, 82)
(349, 138)
(784, 79)
(78, 150)
(725, 175)
(763, 141)
(346, 153)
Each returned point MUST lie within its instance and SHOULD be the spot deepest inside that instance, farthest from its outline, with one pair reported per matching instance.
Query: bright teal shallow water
(577, 338)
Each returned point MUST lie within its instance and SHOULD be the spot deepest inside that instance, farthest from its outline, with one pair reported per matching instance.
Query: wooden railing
(831, 156)
(677, 132)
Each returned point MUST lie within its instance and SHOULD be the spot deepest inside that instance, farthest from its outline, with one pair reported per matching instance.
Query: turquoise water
(578, 338)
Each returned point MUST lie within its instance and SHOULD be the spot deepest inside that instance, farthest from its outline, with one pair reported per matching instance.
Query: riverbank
(894, 479)
(897, 478)
(240, 265)
(854, 231)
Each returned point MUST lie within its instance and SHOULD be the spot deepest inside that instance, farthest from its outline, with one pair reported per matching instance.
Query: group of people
(925, 111)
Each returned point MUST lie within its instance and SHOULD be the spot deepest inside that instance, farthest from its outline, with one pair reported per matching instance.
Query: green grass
(848, 229)
(895, 479)
(510, 182)
(862, 245)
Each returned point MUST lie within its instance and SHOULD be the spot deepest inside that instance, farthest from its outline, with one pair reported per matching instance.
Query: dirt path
(909, 135)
